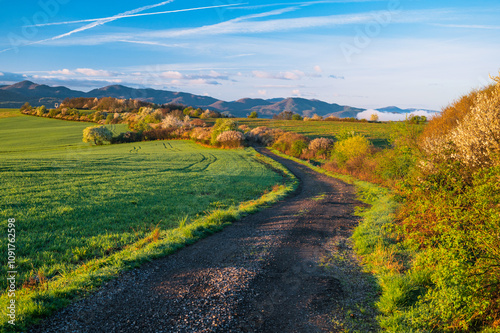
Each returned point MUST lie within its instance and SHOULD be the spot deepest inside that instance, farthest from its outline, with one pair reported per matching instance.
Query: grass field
(377, 133)
(8, 113)
(73, 202)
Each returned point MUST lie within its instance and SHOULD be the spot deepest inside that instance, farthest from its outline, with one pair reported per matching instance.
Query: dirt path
(270, 272)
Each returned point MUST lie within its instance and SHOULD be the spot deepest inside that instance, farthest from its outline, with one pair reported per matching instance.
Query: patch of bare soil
(287, 268)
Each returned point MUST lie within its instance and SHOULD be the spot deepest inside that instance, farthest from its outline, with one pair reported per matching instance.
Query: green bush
(355, 146)
(253, 114)
(222, 125)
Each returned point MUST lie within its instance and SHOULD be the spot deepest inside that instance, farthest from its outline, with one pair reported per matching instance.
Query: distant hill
(16, 95)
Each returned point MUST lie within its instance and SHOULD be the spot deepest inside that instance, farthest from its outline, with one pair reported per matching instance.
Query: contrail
(133, 15)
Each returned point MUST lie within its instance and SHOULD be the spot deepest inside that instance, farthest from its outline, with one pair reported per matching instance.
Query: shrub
(171, 121)
(127, 137)
(54, 112)
(345, 134)
(315, 117)
(284, 115)
(296, 116)
(198, 123)
(477, 136)
(353, 147)
(159, 134)
(253, 114)
(200, 134)
(41, 110)
(231, 139)
(98, 115)
(221, 125)
(320, 146)
(244, 128)
(291, 143)
(139, 126)
(474, 140)
(264, 135)
(97, 134)
(374, 117)
(26, 107)
(332, 118)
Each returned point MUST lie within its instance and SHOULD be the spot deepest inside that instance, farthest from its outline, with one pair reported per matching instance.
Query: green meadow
(73, 202)
(377, 133)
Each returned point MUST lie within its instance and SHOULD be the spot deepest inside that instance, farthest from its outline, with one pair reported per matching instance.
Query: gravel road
(264, 273)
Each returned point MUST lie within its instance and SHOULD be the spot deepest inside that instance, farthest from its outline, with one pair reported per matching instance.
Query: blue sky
(364, 53)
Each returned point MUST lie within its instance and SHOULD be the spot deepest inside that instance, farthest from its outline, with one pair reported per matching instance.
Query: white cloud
(318, 69)
(296, 92)
(469, 26)
(262, 92)
(203, 81)
(93, 72)
(172, 75)
(63, 72)
(134, 15)
(288, 75)
(294, 75)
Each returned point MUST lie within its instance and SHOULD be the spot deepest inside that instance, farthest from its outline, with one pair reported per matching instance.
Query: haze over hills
(15, 95)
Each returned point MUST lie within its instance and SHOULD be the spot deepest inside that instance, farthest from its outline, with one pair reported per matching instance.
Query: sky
(361, 53)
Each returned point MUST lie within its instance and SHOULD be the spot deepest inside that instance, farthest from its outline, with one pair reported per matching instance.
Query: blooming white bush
(320, 144)
(231, 138)
(171, 121)
(477, 136)
(475, 140)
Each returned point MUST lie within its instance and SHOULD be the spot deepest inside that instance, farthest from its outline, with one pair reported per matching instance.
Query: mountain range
(15, 95)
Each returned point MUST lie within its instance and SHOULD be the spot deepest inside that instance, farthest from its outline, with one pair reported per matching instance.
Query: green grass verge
(32, 305)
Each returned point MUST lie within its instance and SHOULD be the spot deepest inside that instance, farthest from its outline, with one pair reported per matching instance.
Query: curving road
(261, 274)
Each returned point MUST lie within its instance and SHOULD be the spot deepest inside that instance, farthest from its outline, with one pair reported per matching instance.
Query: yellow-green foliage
(356, 146)
(97, 134)
(222, 125)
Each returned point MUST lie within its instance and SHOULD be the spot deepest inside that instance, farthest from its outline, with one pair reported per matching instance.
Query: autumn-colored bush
(201, 134)
(160, 134)
(244, 128)
(264, 135)
(320, 147)
(292, 144)
(198, 123)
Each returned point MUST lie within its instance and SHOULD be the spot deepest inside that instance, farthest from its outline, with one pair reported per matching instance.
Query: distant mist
(389, 116)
